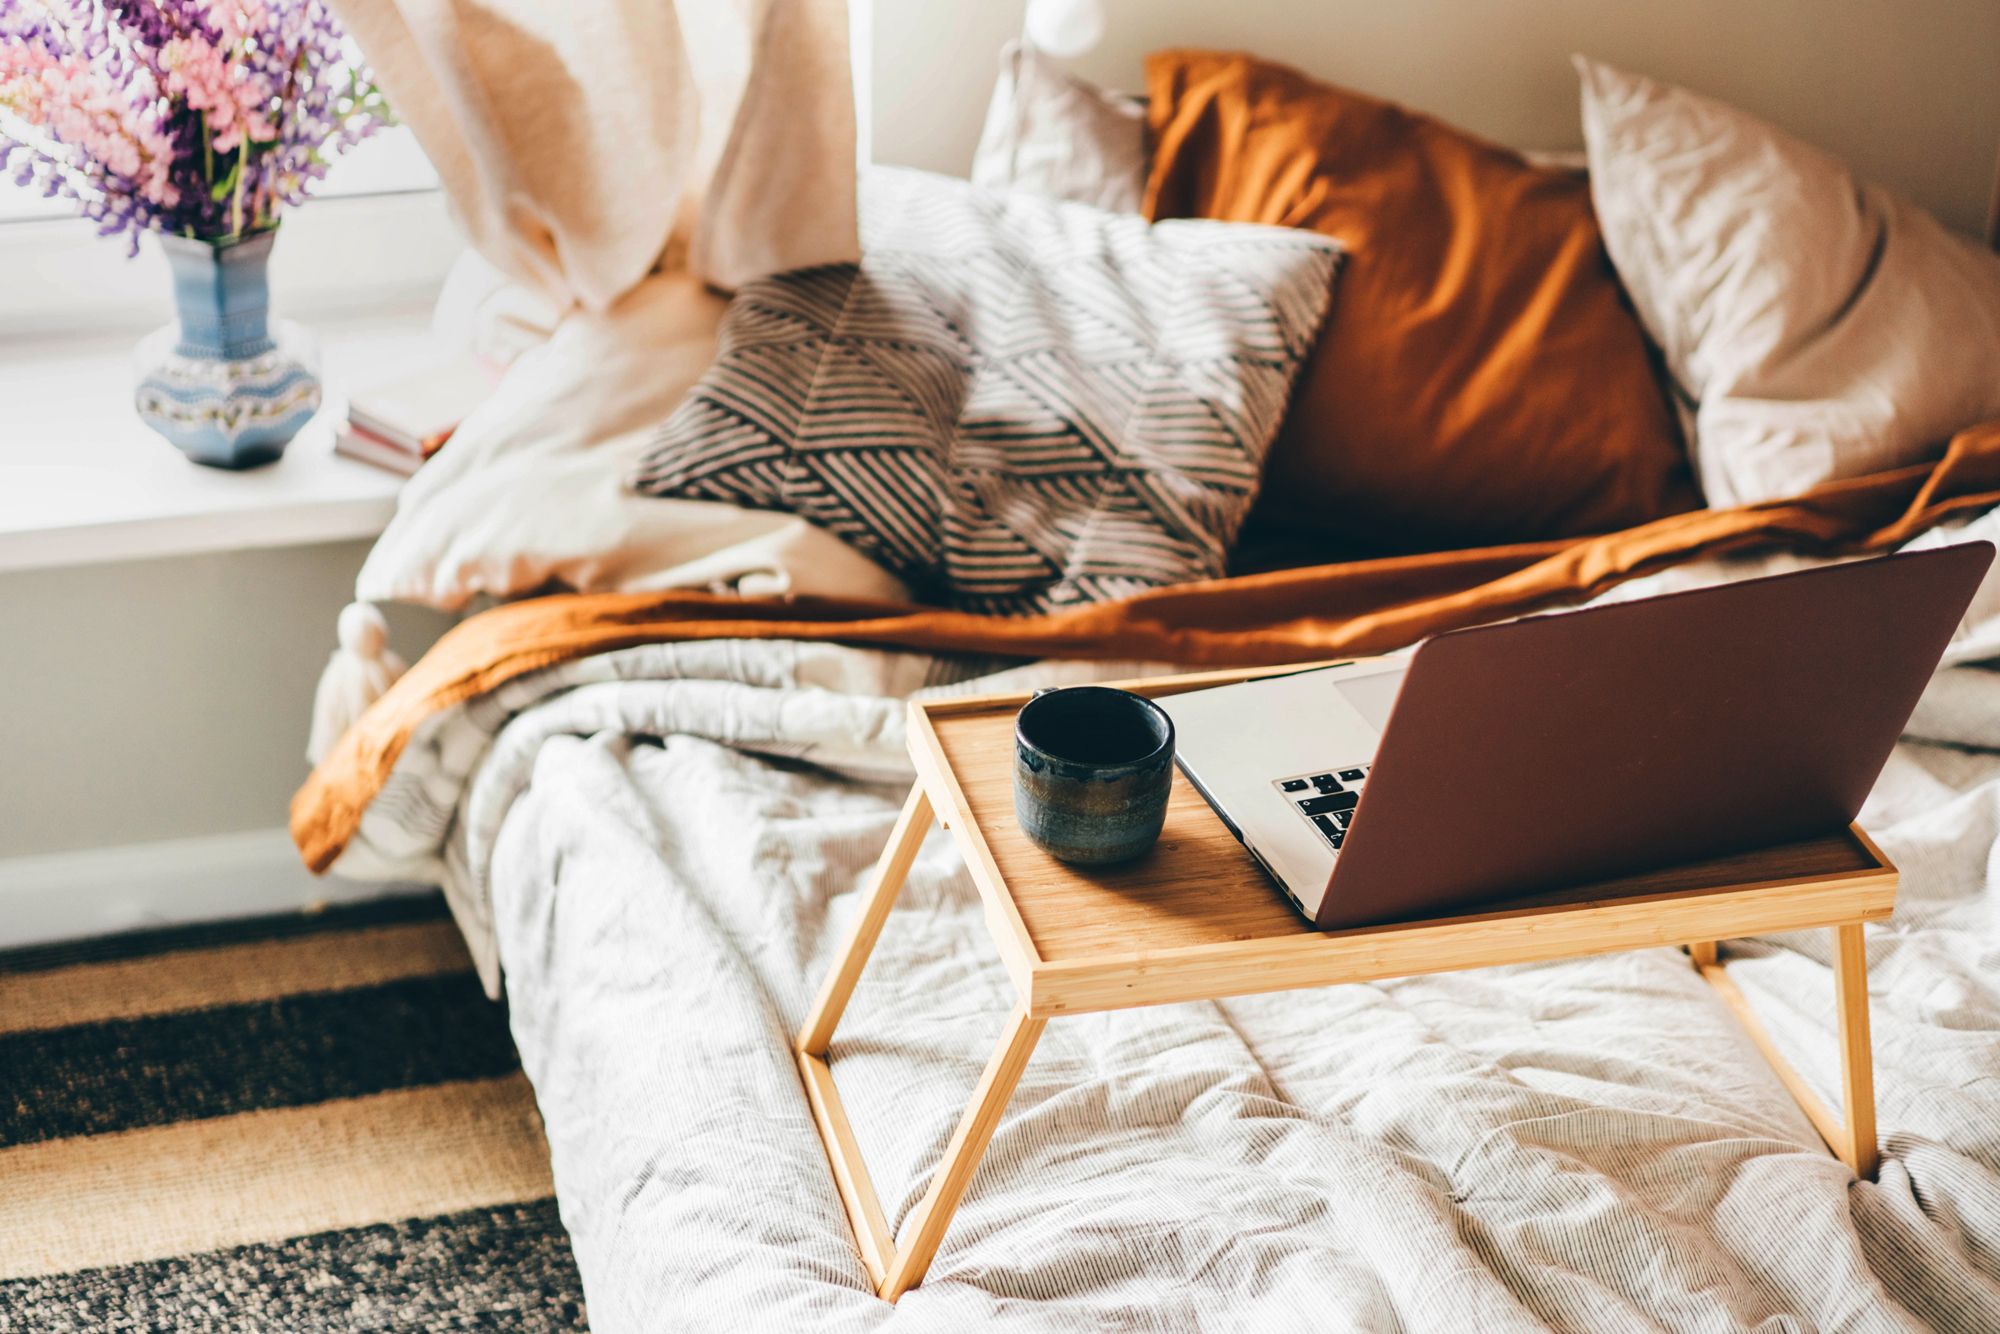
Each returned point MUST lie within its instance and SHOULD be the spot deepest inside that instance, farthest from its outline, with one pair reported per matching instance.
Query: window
(387, 163)
(374, 231)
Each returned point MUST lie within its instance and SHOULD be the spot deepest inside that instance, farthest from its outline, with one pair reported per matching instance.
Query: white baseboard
(96, 891)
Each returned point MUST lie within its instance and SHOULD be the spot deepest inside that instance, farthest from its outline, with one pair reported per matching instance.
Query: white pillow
(1821, 327)
(530, 490)
(1051, 133)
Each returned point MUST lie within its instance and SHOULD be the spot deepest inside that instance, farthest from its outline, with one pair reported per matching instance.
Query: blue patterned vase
(216, 382)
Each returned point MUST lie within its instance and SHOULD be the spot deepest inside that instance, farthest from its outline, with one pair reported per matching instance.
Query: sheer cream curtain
(622, 161)
(583, 143)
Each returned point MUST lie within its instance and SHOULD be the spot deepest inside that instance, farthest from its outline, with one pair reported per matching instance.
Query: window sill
(82, 481)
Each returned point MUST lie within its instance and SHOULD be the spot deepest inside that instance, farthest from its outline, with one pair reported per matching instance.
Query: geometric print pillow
(1014, 404)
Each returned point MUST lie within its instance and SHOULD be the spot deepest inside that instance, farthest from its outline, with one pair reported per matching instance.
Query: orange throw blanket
(1285, 616)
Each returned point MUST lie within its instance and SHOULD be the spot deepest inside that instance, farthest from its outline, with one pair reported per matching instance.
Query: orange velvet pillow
(1481, 378)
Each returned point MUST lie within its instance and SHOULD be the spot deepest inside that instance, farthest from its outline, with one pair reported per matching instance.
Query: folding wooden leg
(1852, 1139)
(890, 872)
(895, 1269)
(1857, 1055)
(850, 1174)
(961, 1156)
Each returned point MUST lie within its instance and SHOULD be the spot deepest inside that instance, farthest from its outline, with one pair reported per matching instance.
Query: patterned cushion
(1014, 404)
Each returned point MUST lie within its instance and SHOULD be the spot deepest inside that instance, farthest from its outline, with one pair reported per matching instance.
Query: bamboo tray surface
(1200, 892)
(1199, 886)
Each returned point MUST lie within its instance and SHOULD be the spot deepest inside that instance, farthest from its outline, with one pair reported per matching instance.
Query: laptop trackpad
(1373, 696)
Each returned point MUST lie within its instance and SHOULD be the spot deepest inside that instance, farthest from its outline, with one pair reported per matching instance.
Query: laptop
(1558, 750)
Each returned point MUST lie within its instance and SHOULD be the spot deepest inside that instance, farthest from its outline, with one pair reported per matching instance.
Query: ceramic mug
(1092, 769)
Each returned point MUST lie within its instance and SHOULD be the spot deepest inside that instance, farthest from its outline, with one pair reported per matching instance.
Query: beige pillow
(1820, 326)
(1052, 133)
(530, 490)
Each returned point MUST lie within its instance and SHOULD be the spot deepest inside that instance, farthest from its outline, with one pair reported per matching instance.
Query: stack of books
(399, 423)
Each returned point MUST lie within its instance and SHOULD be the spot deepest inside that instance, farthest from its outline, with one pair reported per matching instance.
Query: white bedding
(663, 845)
(530, 491)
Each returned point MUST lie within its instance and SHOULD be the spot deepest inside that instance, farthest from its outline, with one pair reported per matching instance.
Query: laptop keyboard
(1326, 799)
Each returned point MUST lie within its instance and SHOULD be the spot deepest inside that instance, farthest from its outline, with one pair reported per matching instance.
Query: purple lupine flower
(200, 117)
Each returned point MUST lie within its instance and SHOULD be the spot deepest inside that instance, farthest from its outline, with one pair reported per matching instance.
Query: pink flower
(91, 117)
(237, 19)
(231, 98)
(199, 117)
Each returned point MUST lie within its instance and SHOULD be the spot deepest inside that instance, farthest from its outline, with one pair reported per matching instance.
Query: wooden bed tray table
(1196, 919)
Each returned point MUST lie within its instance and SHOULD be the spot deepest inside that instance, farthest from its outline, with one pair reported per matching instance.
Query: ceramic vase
(217, 382)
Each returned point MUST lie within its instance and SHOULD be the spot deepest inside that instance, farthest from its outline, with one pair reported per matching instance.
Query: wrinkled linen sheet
(663, 847)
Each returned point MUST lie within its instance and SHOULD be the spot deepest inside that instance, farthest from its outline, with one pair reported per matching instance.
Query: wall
(166, 699)
(154, 730)
(1905, 91)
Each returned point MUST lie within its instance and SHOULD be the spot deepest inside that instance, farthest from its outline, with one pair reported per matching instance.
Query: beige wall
(1908, 91)
(165, 699)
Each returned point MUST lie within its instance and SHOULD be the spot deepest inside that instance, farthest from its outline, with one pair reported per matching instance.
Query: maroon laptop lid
(1565, 748)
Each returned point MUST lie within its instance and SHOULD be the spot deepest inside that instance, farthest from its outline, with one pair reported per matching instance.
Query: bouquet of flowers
(199, 118)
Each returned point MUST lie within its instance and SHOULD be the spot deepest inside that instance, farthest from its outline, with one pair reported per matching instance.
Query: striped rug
(303, 1122)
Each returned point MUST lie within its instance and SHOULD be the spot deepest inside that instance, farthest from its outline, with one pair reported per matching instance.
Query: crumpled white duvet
(666, 844)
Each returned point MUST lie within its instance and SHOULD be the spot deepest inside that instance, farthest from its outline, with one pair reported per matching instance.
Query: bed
(652, 808)
(665, 842)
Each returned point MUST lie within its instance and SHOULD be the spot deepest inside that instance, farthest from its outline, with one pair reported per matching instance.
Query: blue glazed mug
(1092, 769)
